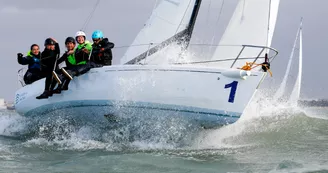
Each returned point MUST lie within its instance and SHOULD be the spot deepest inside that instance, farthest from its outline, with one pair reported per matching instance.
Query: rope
(217, 22)
(248, 67)
(90, 16)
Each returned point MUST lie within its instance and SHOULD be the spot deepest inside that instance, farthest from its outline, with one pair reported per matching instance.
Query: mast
(192, 23)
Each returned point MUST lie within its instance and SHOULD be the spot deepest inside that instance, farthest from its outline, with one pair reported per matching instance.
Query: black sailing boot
(54, 83)
(44, 95)
(58, 89)
(65, 85)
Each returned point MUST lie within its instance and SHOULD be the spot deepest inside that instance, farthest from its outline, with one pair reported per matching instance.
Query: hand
(85, 50)
(20, 55)
(54, 40)
(102, 49)
(70, 52)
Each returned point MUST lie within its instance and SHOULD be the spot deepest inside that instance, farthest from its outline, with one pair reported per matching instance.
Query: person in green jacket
(83, 49)
(69, 58)
(76, 61)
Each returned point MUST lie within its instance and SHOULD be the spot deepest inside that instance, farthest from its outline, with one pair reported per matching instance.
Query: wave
(263, 123)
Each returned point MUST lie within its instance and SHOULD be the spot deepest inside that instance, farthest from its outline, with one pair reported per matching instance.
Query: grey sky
(24, 22)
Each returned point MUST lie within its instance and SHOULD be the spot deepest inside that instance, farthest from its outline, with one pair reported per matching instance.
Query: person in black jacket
(83, 60)
(32, 59)
(101, 50)
(49, 64)
(77, 64)
(70, 69)
(70, 61)
(68, 56)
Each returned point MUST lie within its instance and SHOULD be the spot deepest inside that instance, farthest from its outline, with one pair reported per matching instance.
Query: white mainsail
(252, 23)
(169, 18)
(281, 90)
(294, 97)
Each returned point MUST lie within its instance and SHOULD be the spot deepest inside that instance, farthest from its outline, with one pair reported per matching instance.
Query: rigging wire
(243, 14)
(208, 12)
(183, 17)
(90, 16)
(217, 21)
(152, 12)
(155, 5)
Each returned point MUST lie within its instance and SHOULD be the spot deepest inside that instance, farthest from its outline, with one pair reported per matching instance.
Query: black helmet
(49, 41)
(70, 40)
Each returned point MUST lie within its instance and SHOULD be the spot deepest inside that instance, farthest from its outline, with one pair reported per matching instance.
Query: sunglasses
(96, 40)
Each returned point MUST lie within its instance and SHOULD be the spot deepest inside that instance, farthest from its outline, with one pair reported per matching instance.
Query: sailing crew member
(101, 50)
(69, 59)
(49, 64)
(32, 59)
(83, 48)
(77, 61)
(81, 54)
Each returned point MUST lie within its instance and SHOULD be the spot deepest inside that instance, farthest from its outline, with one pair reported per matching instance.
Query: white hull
(196, 93)
(2, 104)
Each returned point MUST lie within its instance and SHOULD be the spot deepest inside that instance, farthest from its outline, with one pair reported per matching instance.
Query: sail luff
(295, 95)
(300, 66)
(269, 18)
(273, 14)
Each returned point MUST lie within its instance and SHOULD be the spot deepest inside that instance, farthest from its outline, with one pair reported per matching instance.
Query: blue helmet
(97, 34)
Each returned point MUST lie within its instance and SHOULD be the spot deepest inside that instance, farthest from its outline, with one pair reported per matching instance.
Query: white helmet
(80, 33)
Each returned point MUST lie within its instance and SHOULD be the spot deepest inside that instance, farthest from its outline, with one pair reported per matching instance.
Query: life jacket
(71, 58)
(80, 56)
(36, 61)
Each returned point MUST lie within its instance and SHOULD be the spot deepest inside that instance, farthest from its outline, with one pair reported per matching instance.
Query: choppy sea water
(270, 139)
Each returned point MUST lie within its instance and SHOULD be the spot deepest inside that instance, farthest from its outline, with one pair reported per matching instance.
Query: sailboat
(296, 92)
(280, 94)
(212, 92)
(2, 103)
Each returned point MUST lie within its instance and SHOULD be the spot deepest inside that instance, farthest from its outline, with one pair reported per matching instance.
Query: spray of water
(261, 115)
(149, 131)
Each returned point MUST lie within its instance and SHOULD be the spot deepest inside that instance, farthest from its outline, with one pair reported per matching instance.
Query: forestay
(169, 20)
(252, 23)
